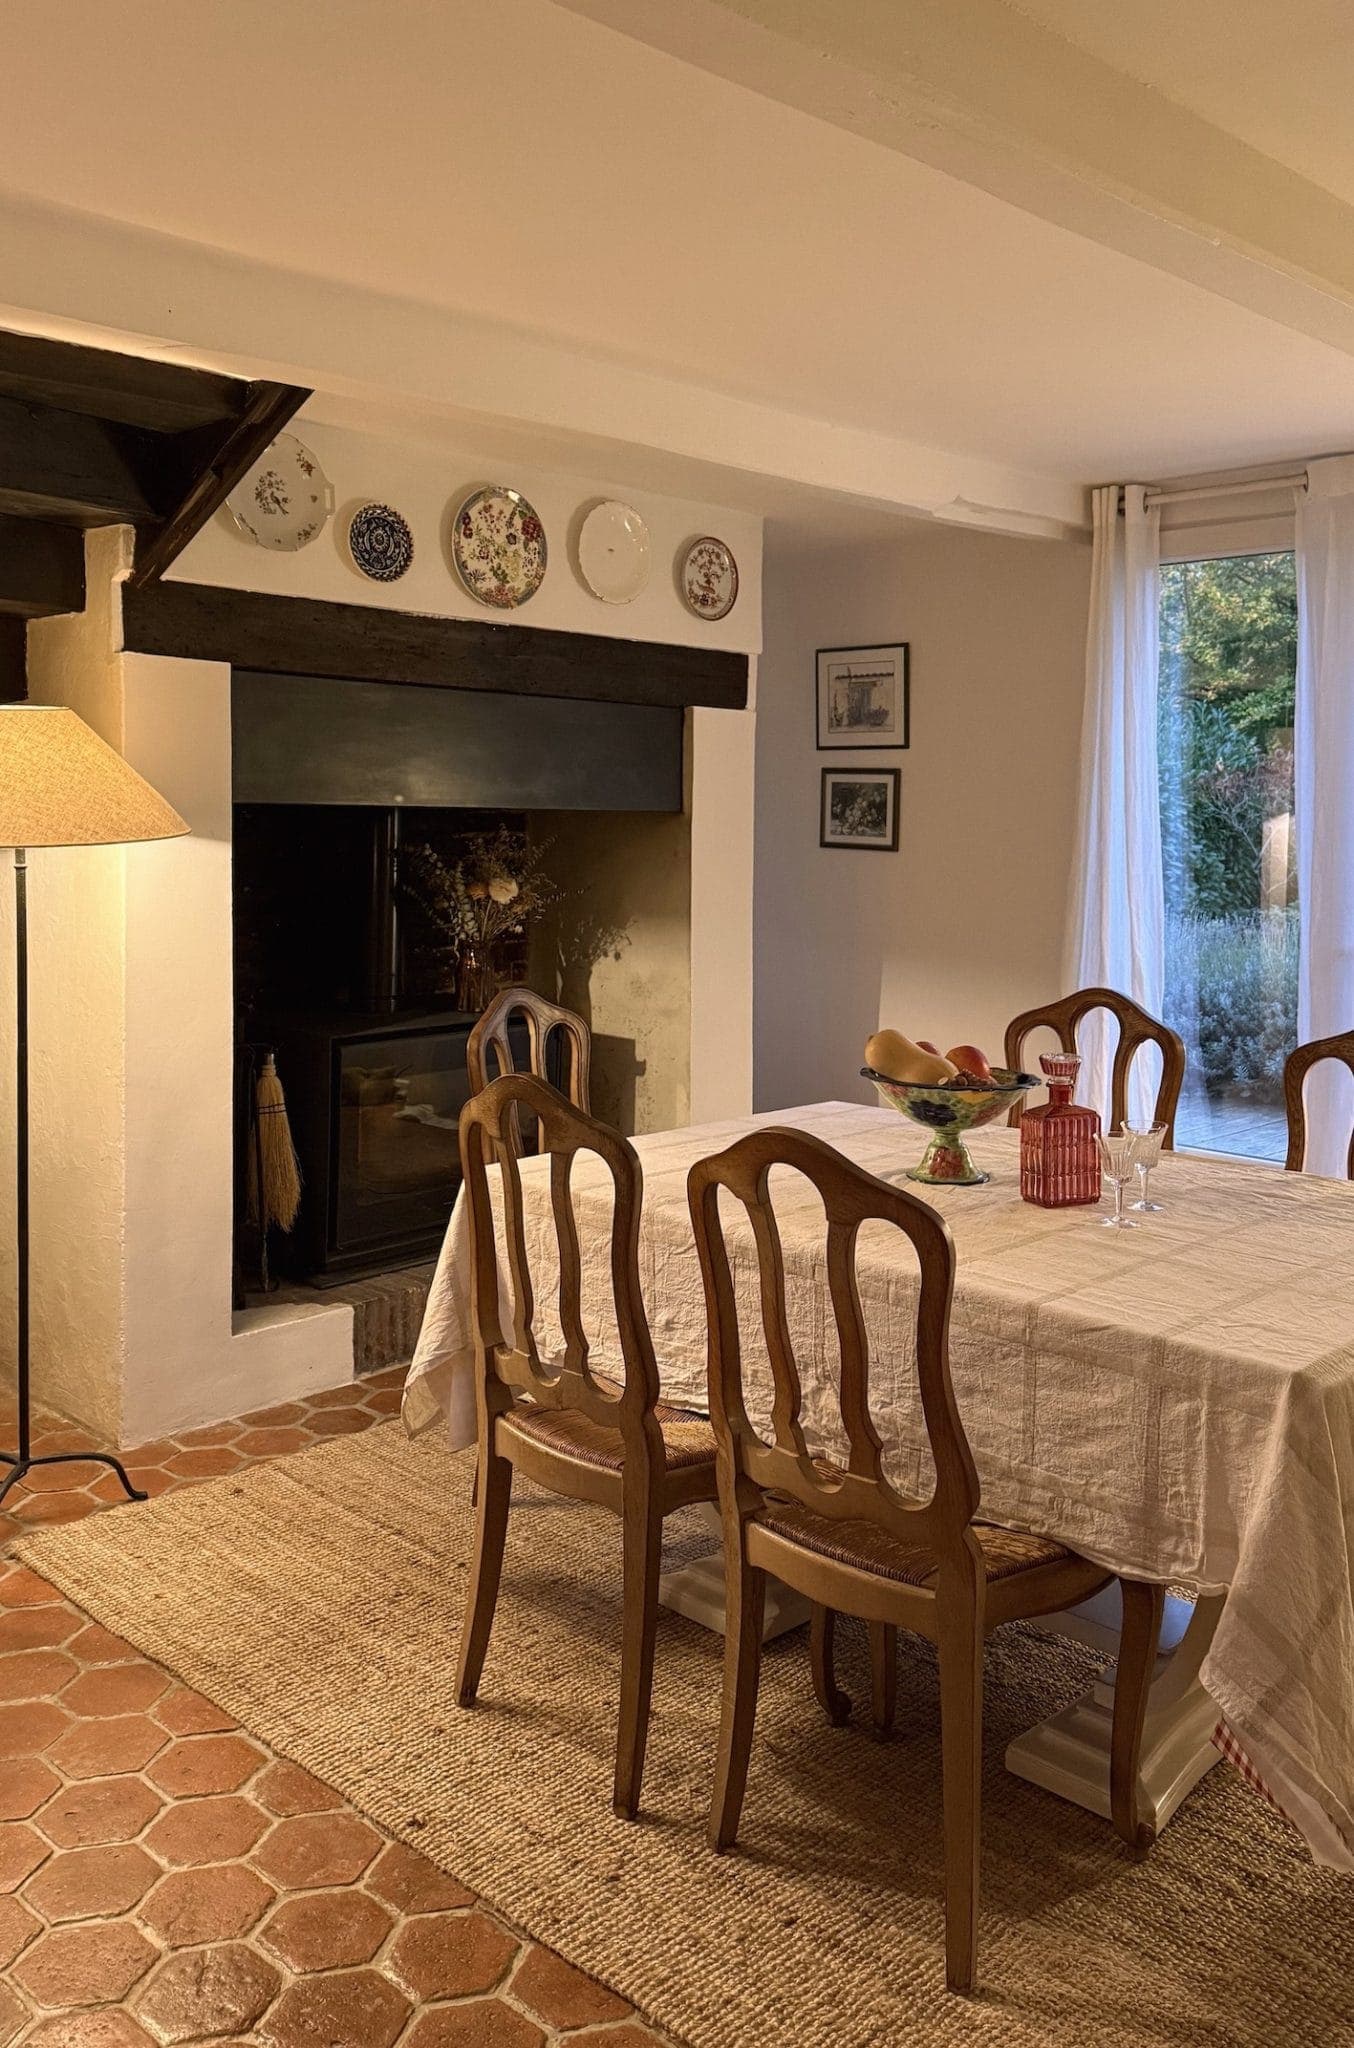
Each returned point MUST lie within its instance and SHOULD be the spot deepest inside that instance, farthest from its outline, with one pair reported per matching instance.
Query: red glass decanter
(1059, 1158)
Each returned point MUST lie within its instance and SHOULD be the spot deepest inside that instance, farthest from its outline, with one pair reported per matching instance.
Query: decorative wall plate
(613, 552)
(285, 499)
(498, 547)
(709, 578)
(379, 542)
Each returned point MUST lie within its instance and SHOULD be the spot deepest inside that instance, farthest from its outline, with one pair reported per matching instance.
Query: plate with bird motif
(498, 547)
(709, 578)
(285, 499)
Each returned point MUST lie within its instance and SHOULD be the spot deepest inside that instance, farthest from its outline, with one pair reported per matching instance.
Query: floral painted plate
(613, 552)
(498, 547)
(285, 499)
(379, 542)
(709, 578)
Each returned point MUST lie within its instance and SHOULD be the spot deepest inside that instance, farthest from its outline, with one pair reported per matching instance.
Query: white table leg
(1070, 1753)
(697, 1591)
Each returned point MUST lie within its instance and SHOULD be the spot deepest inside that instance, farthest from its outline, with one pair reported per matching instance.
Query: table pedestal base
(697, 1591)
(1070, 1753)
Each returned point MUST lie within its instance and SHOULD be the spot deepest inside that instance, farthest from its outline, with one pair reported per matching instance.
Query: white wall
(965, 925)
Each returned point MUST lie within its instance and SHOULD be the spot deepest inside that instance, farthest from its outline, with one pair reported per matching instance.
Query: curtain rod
(1296, 480)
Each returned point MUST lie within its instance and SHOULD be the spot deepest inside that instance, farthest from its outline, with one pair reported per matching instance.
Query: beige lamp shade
(61, 785)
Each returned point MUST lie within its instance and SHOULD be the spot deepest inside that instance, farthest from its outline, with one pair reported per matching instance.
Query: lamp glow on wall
(60, 785)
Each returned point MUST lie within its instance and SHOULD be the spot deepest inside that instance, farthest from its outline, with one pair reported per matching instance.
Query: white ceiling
(529, 167)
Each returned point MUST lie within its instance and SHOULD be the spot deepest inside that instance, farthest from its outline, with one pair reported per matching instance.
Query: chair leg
(1143, 1609)
(960, 1643)
(643, 1543)
(491, 1528)
(822, 1629)
(883, 1677)
(744, 1618)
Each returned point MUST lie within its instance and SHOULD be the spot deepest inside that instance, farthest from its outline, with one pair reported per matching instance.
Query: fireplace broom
(275, 1179)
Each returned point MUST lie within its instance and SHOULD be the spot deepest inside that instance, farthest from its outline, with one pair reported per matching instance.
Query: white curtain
(1118, 931)
(1324, 802)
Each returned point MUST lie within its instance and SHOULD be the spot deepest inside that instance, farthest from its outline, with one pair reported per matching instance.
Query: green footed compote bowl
(948, 1112)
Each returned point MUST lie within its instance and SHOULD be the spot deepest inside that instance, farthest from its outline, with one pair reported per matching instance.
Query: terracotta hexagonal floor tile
(185, 1712)
(205, 1763)
(60, 1478)
(281, 1414)
(38, 1510)
(17, 1928)
(91, 1884)
(632, 2035)
(28, 1729)
(271, 1443)
(218, 1902)
(35, 1674)
(96, 1964)
(561, 1995)
(345, 1396)
(411, 1884)
(24, 1783)
(35, 1628)
(326, 1930)
(449, 1955)
(212, 1830)
(482, 2023)
(208, 1435)
(315, 1849)
(12, 2016)
(100, 1810)
(98, 1645)
(102, 2028)
(22, 1849)
(149, 1479)
(207, 1993)
(204, 1464)
(284, 1788)
(340, 1422)
(350, 2009)
(103, 1748)
(112, 1689)
(20, 1587)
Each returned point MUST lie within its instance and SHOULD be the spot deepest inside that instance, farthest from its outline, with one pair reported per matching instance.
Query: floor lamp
(60, 785)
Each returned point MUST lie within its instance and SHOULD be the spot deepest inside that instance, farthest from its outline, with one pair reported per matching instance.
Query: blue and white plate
(380, 543)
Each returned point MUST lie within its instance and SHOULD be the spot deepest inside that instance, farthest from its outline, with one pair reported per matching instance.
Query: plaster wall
(966, 924)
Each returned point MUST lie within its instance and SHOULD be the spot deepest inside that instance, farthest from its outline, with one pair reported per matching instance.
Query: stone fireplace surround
(131, 1017)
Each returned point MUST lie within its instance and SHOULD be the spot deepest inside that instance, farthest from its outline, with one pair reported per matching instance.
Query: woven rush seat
(1005, 1551)
(687, 1439)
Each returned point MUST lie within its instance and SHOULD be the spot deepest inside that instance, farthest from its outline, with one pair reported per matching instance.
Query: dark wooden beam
(167, 398)
(42, 568)
(13, 652)
(73, 468)
(211, 460)
(303, 636)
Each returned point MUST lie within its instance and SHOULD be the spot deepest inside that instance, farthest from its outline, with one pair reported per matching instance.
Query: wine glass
(1118, 1157)
(1151, 1138)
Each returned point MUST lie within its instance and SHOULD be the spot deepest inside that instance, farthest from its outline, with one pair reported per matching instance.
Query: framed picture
(860, 808)
(863, 697)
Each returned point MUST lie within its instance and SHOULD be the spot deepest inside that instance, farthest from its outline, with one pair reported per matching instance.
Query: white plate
(709, 578)
(613, 552)
(285, 499)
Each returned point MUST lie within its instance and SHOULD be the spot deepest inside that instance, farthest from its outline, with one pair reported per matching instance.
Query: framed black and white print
(863, 696)
(860, 808)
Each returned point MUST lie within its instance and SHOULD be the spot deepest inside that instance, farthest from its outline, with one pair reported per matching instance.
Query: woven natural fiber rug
(317, 1599)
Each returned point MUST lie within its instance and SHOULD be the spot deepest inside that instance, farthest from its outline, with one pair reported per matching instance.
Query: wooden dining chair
(1137, 1027)
(841, 1533)
(543, 1020)
(557, 1420)
(1296, 1068)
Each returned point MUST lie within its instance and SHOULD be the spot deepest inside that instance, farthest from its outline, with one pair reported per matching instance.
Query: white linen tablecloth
(1176, 1402)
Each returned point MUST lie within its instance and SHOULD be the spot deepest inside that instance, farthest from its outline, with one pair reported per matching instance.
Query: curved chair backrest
(512, 1361)
(543, 1020)
(1137, 1027)
(850, 1197)
(1295, 1071)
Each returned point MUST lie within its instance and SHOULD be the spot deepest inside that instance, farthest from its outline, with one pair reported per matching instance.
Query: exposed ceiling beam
(42, 568)
(976, 89)
(73, 468)
(167, 398)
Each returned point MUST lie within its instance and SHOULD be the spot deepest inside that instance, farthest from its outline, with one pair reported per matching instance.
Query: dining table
(1174, 1401)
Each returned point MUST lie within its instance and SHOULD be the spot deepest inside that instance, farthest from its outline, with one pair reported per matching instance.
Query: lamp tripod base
(21, 1466)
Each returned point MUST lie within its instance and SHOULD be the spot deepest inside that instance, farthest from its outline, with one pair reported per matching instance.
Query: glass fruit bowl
(948, 1113)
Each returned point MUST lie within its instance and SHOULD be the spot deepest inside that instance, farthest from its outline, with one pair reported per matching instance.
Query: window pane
(1228, 653)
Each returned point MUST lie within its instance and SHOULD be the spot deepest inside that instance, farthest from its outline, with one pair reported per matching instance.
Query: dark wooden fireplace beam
(306, 637)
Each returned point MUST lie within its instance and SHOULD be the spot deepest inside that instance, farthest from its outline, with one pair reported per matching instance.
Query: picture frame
(864, 697)
(858, 809)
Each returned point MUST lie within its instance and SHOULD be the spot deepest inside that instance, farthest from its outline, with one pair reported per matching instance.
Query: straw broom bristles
(276, 1171)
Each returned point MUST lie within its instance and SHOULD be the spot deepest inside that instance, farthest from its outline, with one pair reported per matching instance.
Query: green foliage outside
(1228, 656)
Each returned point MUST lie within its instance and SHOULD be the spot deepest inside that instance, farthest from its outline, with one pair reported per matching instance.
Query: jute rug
(317, 1599)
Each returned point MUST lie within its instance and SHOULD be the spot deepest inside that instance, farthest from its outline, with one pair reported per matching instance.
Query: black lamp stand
(24, 1461)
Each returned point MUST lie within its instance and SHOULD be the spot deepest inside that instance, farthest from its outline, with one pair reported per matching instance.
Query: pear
(898, 1059)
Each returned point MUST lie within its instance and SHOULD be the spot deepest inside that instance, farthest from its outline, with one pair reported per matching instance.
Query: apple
(970, 1059)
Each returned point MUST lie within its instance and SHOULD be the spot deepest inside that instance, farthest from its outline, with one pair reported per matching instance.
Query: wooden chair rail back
(489, 1123)
(850, 1198)
(543, 1020)
(1137, 1028)
(1297, 1067)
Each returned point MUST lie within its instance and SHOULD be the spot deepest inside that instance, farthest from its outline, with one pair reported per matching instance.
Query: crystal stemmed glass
(1150, 1139)
(1118, 1157)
